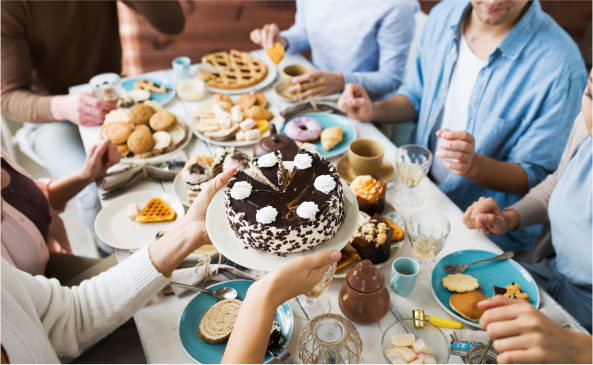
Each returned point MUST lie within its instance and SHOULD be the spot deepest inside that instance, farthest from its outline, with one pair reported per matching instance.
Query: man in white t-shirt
(494, 89)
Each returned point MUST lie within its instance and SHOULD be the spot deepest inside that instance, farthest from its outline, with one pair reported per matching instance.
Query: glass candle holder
(329, 339)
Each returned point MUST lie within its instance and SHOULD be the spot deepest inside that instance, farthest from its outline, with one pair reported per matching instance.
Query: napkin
(322, 104)
(124, 176)
(554, 312)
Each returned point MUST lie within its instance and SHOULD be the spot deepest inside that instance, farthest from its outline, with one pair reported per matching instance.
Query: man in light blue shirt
(506, 134)
(351, 41)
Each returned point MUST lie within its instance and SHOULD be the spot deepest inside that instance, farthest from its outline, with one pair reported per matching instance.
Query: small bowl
(431, 334)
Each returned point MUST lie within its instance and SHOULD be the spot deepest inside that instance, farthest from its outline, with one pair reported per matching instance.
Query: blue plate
(160, 98)
(327, 121)
(189, 322)
(490, 274)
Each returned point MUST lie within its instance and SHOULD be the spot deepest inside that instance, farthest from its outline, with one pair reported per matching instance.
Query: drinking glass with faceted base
(428, 232)
(314, 303)
(413, 163)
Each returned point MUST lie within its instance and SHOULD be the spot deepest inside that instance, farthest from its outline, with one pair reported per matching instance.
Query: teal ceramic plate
(189, 322)
(160, 98)
(327, 121)
(490, 274)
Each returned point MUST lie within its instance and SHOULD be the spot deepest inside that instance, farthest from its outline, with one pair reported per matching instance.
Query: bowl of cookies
(146, 131)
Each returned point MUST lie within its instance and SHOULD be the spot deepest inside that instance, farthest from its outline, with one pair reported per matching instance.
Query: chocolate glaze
(300, 189)
(275, 174)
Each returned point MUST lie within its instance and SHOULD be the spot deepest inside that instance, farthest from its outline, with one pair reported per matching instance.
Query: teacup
(404, 272)
(292, 71)
(365, 156)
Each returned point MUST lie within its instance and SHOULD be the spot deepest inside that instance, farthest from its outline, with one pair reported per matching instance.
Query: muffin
(370, 194)
(372, 240)
(196, 173)
(237, 160)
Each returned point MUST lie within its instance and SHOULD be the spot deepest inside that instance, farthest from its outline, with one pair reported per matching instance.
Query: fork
(459, 269)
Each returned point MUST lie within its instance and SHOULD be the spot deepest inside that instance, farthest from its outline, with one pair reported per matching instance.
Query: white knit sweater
(42, 320)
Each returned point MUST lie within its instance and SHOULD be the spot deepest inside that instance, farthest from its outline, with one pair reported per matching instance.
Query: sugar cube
(423, 347)
(428, 359)
(406, 353)
(407, 339)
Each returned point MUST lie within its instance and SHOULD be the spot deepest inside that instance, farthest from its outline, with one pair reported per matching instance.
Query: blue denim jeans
(59, 145)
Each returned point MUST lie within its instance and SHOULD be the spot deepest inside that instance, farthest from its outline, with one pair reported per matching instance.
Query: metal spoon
(219, 294)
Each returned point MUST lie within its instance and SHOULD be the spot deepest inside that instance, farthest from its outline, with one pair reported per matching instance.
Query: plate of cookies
(134, 219)
(236, 72)
(459, 294)
(236, 120)
(137, 90)
(146, 131)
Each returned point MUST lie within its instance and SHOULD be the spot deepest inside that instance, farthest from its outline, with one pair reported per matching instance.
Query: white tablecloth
(158, 321)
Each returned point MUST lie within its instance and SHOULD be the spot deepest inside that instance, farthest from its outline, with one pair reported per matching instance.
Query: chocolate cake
(281, 211)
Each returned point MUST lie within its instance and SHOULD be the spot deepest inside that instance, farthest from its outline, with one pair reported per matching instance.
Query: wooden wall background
(224, 24)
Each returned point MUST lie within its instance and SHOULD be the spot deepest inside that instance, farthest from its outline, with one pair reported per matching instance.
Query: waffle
(236, 70)
(346, 259)
(156, 211)
(276, 53)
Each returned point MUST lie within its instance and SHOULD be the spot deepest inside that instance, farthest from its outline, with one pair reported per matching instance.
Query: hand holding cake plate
(224, 238)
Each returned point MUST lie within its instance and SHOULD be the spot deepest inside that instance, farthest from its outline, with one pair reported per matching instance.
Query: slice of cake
(293, 214)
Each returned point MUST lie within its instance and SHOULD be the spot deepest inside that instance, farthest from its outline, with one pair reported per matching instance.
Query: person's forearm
(375, 83)
(397, 109)
(251, 332)
(27, 107)
(169, 251)
(583, 347)
(60, 191)
(506, 177)
(512, 219)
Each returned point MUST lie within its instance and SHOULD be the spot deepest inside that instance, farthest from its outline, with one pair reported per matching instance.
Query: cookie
(117, 115)
(460, 283)
(466, 304)
(118, 132)
(140, 141)
(141, 113)
(162, 121)
(154, 105)
(204, 112)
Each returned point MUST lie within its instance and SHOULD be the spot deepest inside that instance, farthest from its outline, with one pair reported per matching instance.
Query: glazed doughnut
(303, 129)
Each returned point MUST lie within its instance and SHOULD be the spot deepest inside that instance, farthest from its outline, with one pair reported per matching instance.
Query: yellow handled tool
(439, 322)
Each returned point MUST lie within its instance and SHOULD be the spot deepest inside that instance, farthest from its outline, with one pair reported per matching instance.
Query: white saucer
(223, 237)
(118, 231)
(180, 189)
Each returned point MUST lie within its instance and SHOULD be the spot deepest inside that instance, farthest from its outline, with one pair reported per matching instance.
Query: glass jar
(475, 353)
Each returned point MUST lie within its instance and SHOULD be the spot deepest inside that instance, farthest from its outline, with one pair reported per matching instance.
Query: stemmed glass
(413, 163)
(314, 303)
(428, 232)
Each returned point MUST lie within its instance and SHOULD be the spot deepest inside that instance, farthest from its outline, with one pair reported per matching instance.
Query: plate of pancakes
(462, 305)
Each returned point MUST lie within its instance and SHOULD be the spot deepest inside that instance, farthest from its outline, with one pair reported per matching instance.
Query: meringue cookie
(241, 190)
(268, 160)
(307, 210)
(266, 215)
(325, 183)
(303, 161)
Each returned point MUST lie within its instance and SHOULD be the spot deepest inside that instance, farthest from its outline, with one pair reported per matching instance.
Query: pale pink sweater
(23, 245)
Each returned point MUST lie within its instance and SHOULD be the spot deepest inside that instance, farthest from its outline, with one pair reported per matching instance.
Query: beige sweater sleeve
(533, 208)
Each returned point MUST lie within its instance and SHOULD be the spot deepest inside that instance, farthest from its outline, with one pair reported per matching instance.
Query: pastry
(204, 112)
(330, 137)
(162, 121)
(466, 304)
(225, 105)
(220, 98)
(398, 233)
(511, 291)
(222, 134)
(257, 112)
(194, 190)
(157, 210)
(177, 134)
(117, 115)
(346, 259)
(150, 86)
(370, 194)
(277, 339)
(161, 140)
(460, 283)
(140, 141)
(276, 53)
(219, 156)
(303, 129)
(235, 70)
(142, 127)
(246, 101)
(217, 323)
(118, 132)
(196, 173)
(200, 158)
(260, 99)
(236, 160)
(280, 211)
(141, 113)
(262, 125)
(372, 240)
(123, 149)
(154, 105)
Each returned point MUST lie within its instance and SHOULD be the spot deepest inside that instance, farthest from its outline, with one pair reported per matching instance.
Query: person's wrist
(340, 81)
(283, 42)
(266, 291)
(474, 167)
(583, 344)
(56, 107)
(512, 220)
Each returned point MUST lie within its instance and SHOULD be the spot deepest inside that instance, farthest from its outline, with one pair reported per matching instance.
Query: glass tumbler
(428, 232)
(413, 163)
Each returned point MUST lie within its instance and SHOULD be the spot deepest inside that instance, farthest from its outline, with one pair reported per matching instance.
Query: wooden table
(158, 321)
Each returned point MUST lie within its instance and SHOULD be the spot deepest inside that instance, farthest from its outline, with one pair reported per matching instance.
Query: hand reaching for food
(267, 36)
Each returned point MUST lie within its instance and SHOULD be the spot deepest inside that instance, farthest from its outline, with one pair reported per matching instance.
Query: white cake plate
(223, 237)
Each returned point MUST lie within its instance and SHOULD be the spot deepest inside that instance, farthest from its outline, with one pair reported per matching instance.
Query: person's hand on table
(80, 108)
(189, 233)
(356, 103)
(522, 334)
(316, 83)
(459, 147)
(267, 36)
(486, 216)
(101, 157)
